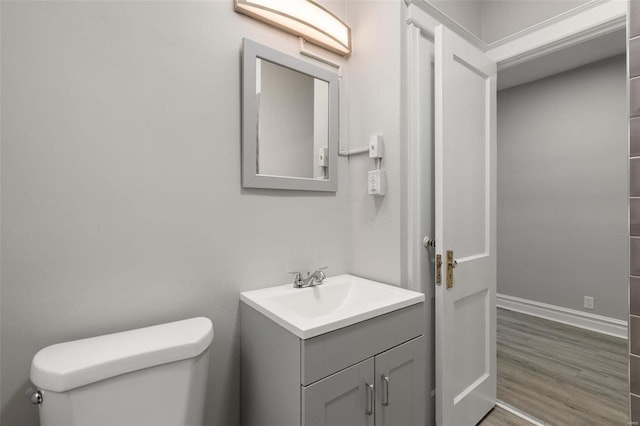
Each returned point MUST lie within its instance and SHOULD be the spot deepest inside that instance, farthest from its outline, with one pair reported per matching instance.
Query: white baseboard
(524, 416)
(598, 323)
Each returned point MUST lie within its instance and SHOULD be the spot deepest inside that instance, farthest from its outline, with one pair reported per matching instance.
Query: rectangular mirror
(289, 122)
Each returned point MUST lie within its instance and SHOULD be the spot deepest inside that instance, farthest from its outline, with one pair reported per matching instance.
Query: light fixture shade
(303, 18)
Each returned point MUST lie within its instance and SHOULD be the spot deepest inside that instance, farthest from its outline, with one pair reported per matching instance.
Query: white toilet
(150, 376)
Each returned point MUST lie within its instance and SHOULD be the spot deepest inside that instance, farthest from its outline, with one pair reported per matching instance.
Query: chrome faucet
(314, 279)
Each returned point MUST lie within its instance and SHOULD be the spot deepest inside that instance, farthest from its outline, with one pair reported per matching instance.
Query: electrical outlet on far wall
(588, 302)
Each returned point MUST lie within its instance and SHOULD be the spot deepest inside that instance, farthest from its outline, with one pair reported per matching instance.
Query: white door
(465, 193)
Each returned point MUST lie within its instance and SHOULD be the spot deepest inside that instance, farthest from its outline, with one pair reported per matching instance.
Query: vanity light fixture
(304, 18)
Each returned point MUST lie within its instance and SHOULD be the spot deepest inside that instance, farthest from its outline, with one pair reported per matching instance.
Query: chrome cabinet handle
(370, 399)
(385, 390)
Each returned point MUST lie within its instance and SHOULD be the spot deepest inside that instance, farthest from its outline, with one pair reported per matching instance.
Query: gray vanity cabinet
(343, 398)
(401, 387)
(388, 388)
(371, 373)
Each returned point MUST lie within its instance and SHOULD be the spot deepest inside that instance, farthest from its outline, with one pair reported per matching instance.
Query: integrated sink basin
(341, 301)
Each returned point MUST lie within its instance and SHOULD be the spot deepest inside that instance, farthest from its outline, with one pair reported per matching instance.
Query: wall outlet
(588, 302)
(376, 182)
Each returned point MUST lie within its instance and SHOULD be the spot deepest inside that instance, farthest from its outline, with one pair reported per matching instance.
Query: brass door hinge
(450, 265)
(438, 269)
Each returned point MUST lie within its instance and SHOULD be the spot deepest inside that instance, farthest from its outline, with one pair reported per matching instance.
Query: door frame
(592, 20)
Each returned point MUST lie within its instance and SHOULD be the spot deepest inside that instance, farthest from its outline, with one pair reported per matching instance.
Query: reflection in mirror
(289, 122)
(292, 116)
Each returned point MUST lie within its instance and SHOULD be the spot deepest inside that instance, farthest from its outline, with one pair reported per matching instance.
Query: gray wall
(374, 76)
(492, 20)
(121, 197)
(562, 208)
(501, 18)
(467, 13)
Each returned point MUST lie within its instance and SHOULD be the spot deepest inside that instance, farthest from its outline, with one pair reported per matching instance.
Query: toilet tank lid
(69, 365)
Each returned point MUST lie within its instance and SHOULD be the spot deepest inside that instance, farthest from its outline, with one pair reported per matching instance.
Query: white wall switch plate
(376, 182)
(376, 146)
(323, 157)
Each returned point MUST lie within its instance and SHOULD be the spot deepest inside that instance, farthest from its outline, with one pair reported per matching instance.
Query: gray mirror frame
(250, 179)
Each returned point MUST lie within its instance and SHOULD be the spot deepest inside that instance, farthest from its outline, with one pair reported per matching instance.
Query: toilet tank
(152, 376)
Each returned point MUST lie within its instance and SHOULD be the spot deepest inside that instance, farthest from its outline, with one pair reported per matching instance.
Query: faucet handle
(297, 279)
(321, 274)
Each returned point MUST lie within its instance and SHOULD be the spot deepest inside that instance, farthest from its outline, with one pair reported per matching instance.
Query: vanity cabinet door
(401, 385)
(344, 398)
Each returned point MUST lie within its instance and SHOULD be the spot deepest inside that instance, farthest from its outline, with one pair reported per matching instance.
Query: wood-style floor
(559, 374)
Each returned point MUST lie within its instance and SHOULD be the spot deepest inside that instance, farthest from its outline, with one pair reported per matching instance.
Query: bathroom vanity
(351, 351)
